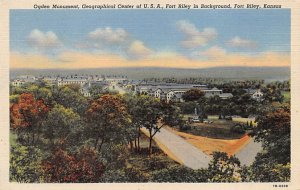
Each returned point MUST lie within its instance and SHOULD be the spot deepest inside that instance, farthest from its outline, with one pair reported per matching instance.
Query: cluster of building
(163, 91)
(174, 92)
(84, 81)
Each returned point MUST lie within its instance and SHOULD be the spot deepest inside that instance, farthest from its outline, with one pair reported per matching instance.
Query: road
(248, 153)
(190, 156)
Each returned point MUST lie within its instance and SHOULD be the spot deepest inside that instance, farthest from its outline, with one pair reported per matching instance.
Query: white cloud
(138, 50)
(214, 52)
(108, 36)
(44, 40)
(193, 36)
(238, 42)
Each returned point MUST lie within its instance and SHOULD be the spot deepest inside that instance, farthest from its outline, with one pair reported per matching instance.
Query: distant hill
(266, 73)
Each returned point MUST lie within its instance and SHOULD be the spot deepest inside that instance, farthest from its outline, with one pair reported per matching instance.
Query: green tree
(62, 127)
(159, 114)
(25, 164)
(224, 168)
(266, 169)
(96, 91)
(273, 130)
(138, 113)
(192, 95)
(70, 97)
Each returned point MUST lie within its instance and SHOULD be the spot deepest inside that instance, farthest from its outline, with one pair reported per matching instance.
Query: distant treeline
(138, 73)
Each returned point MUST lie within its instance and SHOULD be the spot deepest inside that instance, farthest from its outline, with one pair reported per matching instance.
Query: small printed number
(282, 185)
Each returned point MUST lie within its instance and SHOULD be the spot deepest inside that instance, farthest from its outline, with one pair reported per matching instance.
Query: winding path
(188, 154)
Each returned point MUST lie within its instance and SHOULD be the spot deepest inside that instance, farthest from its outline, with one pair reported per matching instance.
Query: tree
(26, 118)
(25, 164)
(187, 107)
(160, 114)
(138, 113)
(266, 169)
(82, 167)
(107, 121)
(272, 94)
(251, 124)
(192, 95)
(62, 127)
(70, 97)
(273, 130)
(224, 168)
(95, 91)
(152, 114)
(39, 91)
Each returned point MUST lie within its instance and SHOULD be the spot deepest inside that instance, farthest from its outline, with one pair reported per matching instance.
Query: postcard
(149, 95)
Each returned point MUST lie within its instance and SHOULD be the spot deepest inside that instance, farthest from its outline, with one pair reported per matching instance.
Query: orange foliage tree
(108, 121)
(81, 167)
(26, 117)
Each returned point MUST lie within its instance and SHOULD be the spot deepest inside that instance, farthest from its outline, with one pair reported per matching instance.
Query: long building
(174, 92)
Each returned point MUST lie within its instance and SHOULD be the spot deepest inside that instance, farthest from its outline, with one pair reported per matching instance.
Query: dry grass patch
(210, 145)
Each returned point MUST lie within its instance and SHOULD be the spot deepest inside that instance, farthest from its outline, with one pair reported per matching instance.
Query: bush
(179, 174)
(81, 167)
(184, 127)
(25, 164)
(238, 128)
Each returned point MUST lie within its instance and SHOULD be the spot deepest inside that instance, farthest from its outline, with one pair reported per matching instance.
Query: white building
(68, 81)
(116, 80)
(257, 95)
(17, 82)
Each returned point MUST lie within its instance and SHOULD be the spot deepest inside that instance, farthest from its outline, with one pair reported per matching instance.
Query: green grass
(12, 138)
(244, 120)
(286, 96)
(148, 164)
(213, 117)
(219, 129)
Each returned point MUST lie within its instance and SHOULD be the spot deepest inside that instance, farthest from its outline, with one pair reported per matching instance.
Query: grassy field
(245, 120)
(218, 129)
(215, 130)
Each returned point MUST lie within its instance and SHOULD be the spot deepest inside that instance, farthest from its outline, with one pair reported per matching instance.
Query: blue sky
(193, 34)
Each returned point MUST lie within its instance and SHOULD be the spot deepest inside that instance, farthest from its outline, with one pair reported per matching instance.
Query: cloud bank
(116, 47)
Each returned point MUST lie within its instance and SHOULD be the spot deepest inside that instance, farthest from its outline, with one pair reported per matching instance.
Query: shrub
(185, 127)
(179, 174)
(238, 128)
